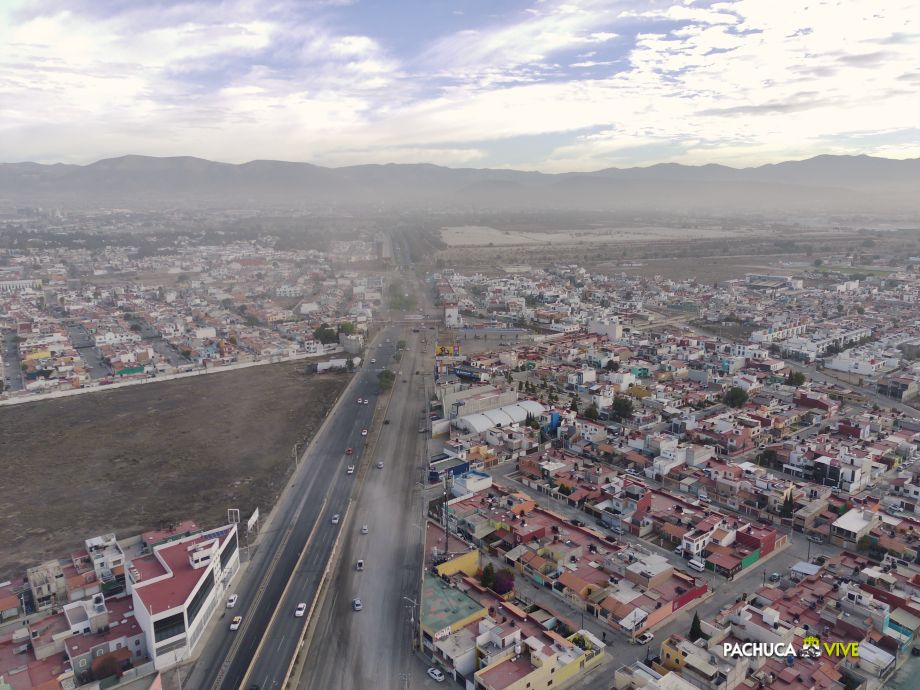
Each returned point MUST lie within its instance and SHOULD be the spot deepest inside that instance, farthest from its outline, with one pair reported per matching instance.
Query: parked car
(236, 622)
(373, 361)
(231, 601)
(645, 638)
(436, 674)
(577, 522)
(300, 610)
(775, 577)
(357, 605)
(815, 539)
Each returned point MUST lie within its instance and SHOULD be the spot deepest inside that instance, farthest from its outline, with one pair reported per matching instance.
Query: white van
(697, 564)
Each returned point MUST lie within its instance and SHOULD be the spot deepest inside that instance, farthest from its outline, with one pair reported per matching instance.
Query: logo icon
(811, 647)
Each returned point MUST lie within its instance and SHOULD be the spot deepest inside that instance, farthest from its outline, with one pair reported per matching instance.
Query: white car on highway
(300, 610)
(357, 605)
(231, 601)
(335, 519)
(364, 529)
(350, 470)
(364, 432)
(236, 622)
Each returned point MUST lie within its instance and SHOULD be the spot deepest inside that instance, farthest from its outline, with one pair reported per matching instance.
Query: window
(137, 643)
(197, 602)
(166, 628)
(228, 551)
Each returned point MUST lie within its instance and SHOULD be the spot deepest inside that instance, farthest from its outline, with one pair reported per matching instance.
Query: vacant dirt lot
(133, 459)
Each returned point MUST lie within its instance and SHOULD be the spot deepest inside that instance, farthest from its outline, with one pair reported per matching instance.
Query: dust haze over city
(520, 345)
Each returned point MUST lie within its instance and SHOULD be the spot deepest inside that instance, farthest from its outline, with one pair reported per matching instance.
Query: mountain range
(823, 184)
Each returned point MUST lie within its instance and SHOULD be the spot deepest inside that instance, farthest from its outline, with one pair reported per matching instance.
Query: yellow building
(466, 563)
(543, 664)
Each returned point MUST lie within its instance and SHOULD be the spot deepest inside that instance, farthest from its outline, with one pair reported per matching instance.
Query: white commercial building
(178, 588)
(500, 416)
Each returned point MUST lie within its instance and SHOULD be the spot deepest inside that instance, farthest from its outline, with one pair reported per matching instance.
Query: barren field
(140, 457)
(708, 269)
(479, 235)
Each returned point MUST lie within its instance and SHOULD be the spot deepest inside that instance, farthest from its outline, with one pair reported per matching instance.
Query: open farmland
(140, 457)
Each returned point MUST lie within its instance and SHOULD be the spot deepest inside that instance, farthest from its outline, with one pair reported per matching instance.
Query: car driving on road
(300, 610)
(364, 432)
(231, 601)
(349, 451)
(350, 470)
(236, 622)
(357, 605)
(364, 529)
(335, 519)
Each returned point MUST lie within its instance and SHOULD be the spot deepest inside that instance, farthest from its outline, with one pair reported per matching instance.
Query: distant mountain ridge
(840, 184)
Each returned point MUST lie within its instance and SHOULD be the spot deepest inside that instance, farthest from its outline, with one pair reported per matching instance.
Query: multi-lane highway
(288, 565)
(371, 649)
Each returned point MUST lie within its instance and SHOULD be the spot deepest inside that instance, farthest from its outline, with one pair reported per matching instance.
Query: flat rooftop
(507, 672)
(174, 590)
(443, 605)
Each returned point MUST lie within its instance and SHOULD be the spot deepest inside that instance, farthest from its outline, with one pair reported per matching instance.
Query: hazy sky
(535, 84)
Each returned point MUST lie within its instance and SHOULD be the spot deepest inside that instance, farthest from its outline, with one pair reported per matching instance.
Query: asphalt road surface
(319, 488)
(12, 371)
(370, 649)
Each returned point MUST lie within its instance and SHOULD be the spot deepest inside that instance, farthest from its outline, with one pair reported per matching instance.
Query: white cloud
(739, 82)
